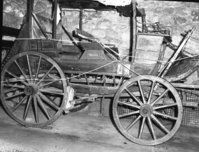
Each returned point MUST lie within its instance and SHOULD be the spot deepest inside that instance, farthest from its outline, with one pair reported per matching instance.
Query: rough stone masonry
(110, 27)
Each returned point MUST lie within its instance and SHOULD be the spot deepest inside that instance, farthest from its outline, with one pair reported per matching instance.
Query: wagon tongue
(70, 102)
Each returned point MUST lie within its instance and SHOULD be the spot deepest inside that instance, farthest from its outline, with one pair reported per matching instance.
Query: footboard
(183, 67)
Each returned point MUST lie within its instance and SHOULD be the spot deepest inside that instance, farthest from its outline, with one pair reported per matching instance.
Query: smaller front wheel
(147, 110)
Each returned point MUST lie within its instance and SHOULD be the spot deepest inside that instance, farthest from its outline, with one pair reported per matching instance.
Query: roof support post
(80, 19)
(54, 31)
(30, 4)
(133, 34)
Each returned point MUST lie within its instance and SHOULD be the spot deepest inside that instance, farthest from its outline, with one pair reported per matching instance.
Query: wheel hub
(146, 110)
(30, 90)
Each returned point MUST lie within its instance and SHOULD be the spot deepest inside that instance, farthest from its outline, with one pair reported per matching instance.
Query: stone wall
(109, 27)
(15, 10)
(180, 16)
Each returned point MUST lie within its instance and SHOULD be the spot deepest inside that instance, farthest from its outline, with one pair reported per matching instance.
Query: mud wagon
(42, 77)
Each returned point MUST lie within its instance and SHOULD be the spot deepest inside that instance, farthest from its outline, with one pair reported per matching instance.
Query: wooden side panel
(81, 66)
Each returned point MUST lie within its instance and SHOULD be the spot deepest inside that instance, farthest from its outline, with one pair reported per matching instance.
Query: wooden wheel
(29, 93)
(147, 110)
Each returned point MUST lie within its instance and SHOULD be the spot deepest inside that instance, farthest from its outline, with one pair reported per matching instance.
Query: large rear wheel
(147, 110)
(33, 89)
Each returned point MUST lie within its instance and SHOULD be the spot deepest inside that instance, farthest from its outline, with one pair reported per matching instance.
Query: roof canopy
(124, 7)
(115, 2)
(83, 4)
(98, 2)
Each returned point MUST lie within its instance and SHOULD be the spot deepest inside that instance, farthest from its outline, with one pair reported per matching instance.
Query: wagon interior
(43, 76)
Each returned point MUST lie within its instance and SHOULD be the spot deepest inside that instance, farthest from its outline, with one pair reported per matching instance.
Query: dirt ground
(79, 132)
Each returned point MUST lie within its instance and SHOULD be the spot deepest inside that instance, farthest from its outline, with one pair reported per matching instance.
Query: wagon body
(91, 57)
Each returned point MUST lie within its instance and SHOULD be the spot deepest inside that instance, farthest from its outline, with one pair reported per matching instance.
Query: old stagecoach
(42, 77)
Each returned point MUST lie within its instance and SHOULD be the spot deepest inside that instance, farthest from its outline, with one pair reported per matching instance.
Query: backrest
(148, 53)
(41, 24)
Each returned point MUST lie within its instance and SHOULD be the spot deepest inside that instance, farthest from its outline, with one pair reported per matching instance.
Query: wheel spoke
(9, 90)
(129, 114)
(43, 107)
(151, 92)
(45, 75)
(29, 68)
(49, 83)
(21, 70)
(141, 92)
(50, 91)
(38, 67)
(16, 77)
(142, 128)
(20, 102)
(160, 97)
(13, 80)
(165, 106)
(14, 96)
(164, 115)
(14, 86)
(133, 123)
(48, 101)
(129, 104)
(151, 128)
(132, 95)
(36, 110)
(160, 124)
(27, 108)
